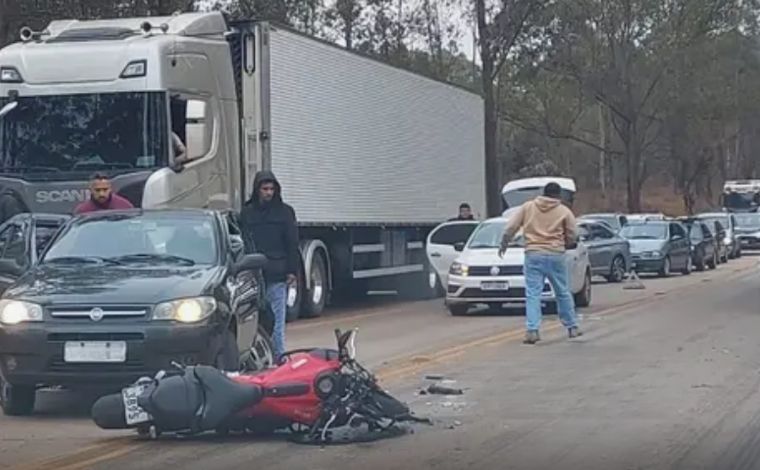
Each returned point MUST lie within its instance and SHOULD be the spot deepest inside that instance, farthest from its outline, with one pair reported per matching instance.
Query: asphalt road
(665, 377)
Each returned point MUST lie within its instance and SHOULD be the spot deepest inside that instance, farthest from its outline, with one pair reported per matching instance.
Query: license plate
(132, 411)
(95, 351)
(494, 285)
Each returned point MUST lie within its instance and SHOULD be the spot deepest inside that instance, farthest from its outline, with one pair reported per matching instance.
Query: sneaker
(531, 337)
(574, 332)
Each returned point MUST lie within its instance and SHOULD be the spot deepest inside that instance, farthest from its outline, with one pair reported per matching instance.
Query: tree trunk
(493, 192)
(602, 145)
(633, 168)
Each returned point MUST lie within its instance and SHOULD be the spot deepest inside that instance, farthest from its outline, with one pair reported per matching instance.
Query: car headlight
(727, 241)
(459, 269)
(13, 312)
(190, 310)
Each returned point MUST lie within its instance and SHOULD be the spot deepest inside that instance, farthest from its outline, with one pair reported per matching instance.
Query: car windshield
(148, 238)
(610, 220)
(710, 220)
(489, 234)
(66, 136)
(748, 220)
(645, 232)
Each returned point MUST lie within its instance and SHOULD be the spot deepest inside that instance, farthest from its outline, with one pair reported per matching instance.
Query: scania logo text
(62, 195)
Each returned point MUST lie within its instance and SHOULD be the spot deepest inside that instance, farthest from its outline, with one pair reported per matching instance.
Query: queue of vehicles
(610, 245)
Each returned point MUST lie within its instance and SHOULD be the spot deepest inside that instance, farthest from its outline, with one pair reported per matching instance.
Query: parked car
(728, 223)
(659, 246)
(718, 233)
(615, 220)
(479, 276)
(121, 294)
(645, 216)
(748, 230)
(704, 246)
(22, 239)
(440, 248)
(608, 253)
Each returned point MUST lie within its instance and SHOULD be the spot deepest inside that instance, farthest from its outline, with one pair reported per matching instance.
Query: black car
(22, 239)
(121, 294)
(704, 246)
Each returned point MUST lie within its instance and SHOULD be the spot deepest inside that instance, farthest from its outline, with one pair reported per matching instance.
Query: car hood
(112, 284)
(639, 246)
(514, 256)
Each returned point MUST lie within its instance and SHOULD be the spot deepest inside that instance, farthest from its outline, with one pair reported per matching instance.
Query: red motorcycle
(312, 392)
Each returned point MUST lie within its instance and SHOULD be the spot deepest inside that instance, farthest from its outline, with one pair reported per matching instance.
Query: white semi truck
(371, 156)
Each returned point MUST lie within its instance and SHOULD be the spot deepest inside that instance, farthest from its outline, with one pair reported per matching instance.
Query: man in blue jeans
(269, 227)
(548, 228)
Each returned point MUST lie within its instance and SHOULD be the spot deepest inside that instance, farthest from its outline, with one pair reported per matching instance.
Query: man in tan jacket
(548, 228)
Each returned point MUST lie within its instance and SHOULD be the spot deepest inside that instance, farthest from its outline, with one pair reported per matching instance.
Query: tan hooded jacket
(547, 224)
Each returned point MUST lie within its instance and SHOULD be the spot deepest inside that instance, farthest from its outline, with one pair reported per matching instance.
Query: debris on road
(437, 389)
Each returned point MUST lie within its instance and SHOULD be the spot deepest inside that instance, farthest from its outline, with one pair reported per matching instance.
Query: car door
(43, 232)
(245, 289)
(15, 255)
(588, 236)
(440, 247)
(680, 246)
(606, 245)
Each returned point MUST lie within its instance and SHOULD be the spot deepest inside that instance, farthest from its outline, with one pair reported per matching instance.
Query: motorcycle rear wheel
(108, 412)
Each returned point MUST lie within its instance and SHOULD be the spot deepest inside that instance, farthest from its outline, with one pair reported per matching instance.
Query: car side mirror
(249, 263)
(459, 246)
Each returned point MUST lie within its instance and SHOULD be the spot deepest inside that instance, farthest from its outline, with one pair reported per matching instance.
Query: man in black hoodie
(269, 227)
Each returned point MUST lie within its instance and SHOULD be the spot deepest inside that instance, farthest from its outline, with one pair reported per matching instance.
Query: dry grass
(654, 199)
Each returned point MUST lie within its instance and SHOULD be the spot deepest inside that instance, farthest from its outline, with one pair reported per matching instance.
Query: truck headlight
(13, 312)
(190, 310)
(459, 269)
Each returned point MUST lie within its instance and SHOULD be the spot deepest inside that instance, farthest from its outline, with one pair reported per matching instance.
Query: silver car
(608, 252)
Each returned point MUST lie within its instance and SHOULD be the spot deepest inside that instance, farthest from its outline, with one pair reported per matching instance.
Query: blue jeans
(277, 296)
(539, 267)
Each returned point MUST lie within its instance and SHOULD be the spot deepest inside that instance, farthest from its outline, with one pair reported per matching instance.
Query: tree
(499, 28)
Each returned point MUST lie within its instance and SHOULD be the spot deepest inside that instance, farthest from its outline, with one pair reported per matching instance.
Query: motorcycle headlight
(190, 310)
(459, 269)
(13, 312)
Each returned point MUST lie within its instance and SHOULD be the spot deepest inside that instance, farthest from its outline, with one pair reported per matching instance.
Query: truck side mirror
(196, 130)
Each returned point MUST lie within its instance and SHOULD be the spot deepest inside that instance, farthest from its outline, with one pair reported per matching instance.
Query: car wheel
(617, 270)
(687, 269)
(458, 309)
(261, 354)
(316, 295)
(665, 270)
(713, 262)
(583, 298)
(17, 400)
(227, 358)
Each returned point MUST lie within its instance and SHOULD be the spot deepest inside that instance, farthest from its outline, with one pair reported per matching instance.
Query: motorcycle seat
(223, 396)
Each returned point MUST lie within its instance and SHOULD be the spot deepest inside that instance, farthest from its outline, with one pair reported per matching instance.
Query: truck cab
(741, 196)
(115, 96)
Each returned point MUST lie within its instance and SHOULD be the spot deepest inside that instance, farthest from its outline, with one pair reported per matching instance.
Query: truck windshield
(61, 136)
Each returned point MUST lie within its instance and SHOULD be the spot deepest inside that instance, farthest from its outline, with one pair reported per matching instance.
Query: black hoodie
(270, 228)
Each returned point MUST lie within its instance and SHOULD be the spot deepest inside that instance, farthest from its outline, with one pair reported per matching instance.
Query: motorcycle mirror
(346, 343)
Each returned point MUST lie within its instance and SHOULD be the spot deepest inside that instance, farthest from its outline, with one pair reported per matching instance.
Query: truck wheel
(583, 298)
(458, 309)
(17, 400)
(316, 296)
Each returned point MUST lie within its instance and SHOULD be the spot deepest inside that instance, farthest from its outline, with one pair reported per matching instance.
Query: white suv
(479, 276)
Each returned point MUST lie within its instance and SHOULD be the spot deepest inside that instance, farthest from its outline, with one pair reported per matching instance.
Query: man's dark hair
(99, 176)
(552, 190)
(464, 205)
